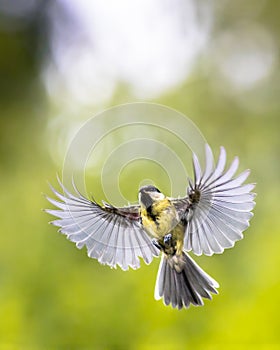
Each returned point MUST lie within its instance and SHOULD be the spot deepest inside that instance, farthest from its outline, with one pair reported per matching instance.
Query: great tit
(211, 217)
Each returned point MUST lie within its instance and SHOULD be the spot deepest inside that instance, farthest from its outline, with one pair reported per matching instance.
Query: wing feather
(112, 235)
(218, 206)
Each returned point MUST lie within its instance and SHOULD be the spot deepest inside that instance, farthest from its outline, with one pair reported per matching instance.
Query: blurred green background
(51, 295)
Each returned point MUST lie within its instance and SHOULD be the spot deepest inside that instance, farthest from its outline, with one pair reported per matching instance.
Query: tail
(183, 283)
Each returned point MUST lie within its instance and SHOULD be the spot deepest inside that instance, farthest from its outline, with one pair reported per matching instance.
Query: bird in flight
(210, 218)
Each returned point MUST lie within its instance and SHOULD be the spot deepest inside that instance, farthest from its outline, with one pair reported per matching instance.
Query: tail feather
(183, 287)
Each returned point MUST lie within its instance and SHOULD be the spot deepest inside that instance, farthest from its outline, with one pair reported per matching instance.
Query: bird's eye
(154, 189)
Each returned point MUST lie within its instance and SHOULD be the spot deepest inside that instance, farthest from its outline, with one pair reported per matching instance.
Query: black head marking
(146, 199)
(149, 188)
(146, 195)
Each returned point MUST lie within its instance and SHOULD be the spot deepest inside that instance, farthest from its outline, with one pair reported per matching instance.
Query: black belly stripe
(151, 214)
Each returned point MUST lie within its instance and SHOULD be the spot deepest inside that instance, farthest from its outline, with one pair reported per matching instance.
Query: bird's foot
(157, 244)
(167, 240)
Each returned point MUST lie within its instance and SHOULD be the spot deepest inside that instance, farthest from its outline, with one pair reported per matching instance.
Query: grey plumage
(185, 287)
(217, 219)
(111, 235)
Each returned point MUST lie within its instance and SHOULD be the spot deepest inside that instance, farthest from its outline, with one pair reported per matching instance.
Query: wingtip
(223, 150)
(236, 159)
(207, 148)
(216, 285)
(58, 177)
(60, 182)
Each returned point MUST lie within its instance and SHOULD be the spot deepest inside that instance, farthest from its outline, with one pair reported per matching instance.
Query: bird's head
(148, 195)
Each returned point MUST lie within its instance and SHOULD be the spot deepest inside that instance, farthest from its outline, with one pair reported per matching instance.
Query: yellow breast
(160, 219)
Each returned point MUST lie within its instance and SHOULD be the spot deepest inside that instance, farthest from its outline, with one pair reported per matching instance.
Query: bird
(210, 218)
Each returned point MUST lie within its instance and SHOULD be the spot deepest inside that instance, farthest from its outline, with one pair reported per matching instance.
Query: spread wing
(112, 235)
(218, 206)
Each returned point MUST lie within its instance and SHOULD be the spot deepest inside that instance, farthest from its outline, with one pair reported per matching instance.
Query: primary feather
(218, 206)
(112, 235)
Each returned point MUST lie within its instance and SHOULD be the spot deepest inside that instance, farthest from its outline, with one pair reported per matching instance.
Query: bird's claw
(168, 240)
(156, 244)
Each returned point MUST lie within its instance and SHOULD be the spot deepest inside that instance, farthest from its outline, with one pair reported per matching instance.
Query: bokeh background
(63, 61)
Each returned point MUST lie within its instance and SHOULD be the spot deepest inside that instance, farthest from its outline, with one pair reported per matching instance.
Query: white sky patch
(245, 55)
(150, 45)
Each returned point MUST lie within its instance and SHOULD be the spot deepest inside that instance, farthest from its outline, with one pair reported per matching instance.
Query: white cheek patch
(158, 195)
